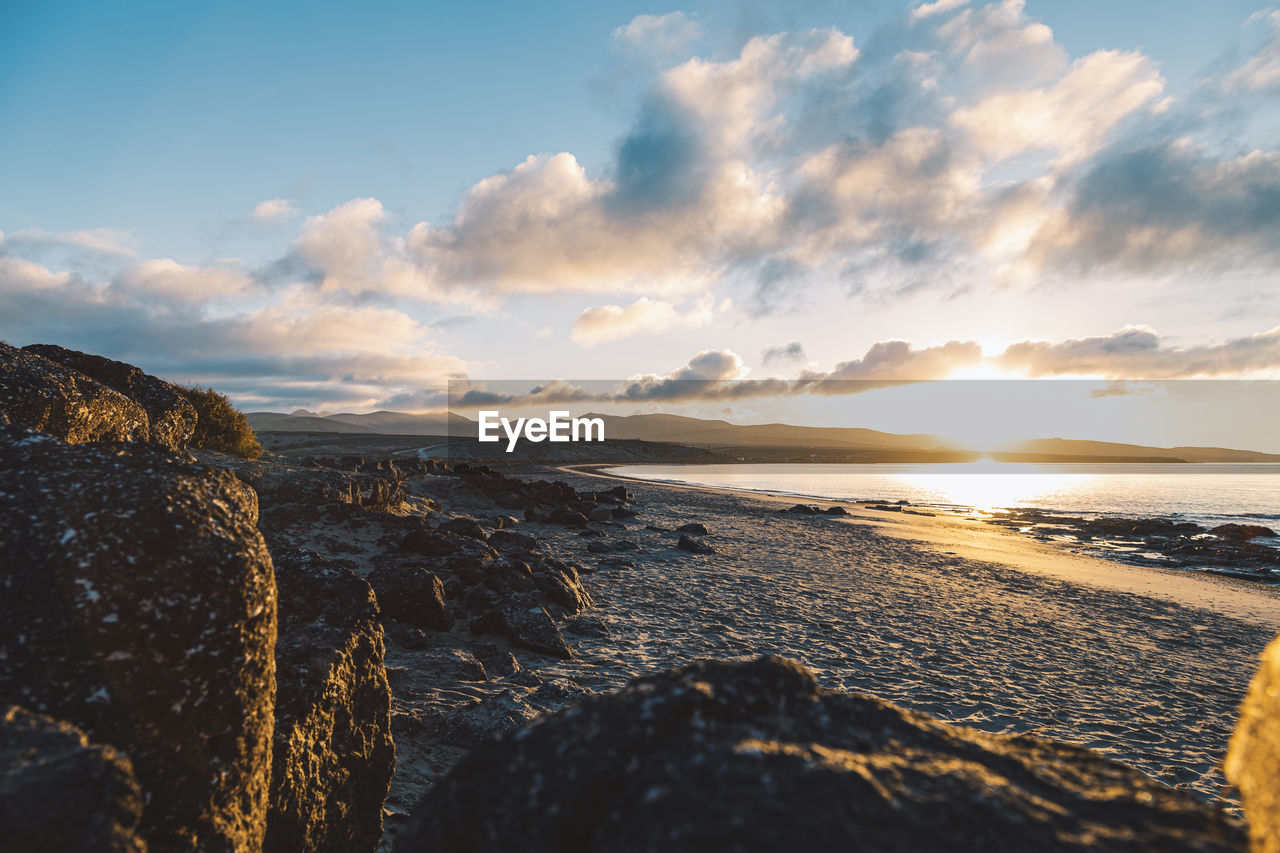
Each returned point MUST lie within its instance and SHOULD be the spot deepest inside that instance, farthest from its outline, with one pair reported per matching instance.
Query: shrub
(220, 426)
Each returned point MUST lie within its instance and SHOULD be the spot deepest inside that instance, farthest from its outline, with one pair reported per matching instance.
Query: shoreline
(972, 538)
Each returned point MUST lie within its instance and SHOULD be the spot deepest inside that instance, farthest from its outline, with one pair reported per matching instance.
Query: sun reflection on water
(987, 484)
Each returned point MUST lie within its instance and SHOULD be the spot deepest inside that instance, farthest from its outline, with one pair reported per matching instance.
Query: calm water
(1203, 493)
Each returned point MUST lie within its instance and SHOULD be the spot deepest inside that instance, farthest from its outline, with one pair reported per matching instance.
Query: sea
(1208, 494)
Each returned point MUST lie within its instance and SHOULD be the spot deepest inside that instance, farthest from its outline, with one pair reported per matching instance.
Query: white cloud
(659, 34)
(605, 323)
(274, 210)
(938, 7)
(1069, 118)
(166, 279)
(107, 241)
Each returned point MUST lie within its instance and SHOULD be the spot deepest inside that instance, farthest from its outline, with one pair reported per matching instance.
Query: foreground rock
(171, 419)
(333, 756)
(754, 756)
(43, 395)
(59, 793)
(1253, 761)
(139, 605)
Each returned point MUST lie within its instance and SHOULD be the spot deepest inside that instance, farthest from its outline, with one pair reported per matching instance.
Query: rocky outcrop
(171, 418)
(59, 793)
(755, 756)
(1253, 760)
(43, 395)
(411, 594)
(333, 753)
(139, 605)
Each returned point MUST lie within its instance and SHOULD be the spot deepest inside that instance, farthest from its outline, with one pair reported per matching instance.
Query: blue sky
(334, 206)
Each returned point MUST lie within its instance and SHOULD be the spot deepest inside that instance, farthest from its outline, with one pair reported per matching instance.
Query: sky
(343, 207)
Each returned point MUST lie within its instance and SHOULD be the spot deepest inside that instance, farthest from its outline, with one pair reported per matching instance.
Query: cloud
(658, 34)
(274, 210)
(683, 201)
(1137, 352)
(1068, 119)
(106, 241)
(1166, 207)
(899, 360)
(605, 323)
(787, 354)
(925, 10)
(1262, 71)
(167, 280)
(346, 251)
(293, 350)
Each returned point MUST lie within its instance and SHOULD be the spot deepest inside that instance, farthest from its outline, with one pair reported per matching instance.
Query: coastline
(969, 537)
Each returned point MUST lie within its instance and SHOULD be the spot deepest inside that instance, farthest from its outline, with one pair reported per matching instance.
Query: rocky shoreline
(1227, 549)
(203, 652)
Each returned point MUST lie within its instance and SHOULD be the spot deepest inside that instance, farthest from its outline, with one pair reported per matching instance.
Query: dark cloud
(791, 353)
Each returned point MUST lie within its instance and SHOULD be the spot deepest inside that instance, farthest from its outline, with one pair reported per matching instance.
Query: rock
(754, 756)
(836, 510)
(1253, 758)
(59, 793)
(693, 546)
(463, 526)
(497, 662)
(411, 594)
(567, 517)
(505, 540)
(171, 418)
(618, 494)
(333, 754)
(139, 605)
(803, 509)
(588, 626)
(45, 396)
(429, 544)
(1242, 531)
(600, 513)
(696, 527)
(431, 668)
(529, 626)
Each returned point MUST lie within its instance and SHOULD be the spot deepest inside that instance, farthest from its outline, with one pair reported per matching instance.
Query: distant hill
(685, 430)
(750, 440)
(1102, 450)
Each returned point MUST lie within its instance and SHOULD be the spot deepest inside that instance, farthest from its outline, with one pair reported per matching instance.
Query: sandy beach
(961, 620)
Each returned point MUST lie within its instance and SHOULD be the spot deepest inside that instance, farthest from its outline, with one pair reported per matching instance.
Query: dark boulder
(411, 594)
(618, 494)
(45, 396)
(507, 540)
(171, 418)
(693, 546)
(463, 526)
(600, 513)
(527, 625)
(803, 509)
(59, 793)
(695, 527)
(333, 754)
(1241, 531)
(139, 605)
(754, 756)
(1253, 759)
(428, 543)
(567, 517)
(836, 510)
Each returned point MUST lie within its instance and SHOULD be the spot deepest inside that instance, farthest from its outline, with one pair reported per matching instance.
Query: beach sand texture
(1145, 666)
